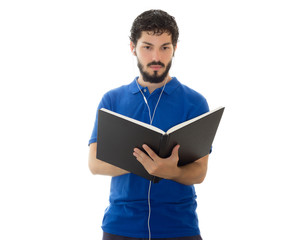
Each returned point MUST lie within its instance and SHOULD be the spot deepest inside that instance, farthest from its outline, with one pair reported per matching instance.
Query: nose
(156, 55)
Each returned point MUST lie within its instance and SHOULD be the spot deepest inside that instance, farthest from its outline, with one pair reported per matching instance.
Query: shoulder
(193, 100)
(119, 92)
(115, 96)
(190, 94)
(193, 94)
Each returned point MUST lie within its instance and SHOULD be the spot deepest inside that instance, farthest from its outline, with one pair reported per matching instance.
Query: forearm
(99, 167)
(193, 173)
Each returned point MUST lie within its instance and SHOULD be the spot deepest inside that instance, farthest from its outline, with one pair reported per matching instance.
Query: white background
(57, 59)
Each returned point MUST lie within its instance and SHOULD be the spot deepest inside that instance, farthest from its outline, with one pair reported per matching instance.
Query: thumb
(175, 152)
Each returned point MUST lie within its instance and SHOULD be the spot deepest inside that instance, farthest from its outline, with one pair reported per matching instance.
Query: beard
(155, 78)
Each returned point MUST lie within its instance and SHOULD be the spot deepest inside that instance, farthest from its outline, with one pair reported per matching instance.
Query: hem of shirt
(153, 235)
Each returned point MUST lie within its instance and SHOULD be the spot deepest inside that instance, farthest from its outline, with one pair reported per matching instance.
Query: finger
(138, 156)
(175, 152)
(139, 153)
(142, 157)
(150, 152)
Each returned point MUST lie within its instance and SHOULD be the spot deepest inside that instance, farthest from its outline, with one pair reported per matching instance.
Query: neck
(152, 86)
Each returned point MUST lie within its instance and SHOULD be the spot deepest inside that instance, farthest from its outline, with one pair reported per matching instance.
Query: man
(139, 209)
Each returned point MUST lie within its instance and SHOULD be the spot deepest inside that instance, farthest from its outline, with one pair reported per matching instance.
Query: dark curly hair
(157, 22)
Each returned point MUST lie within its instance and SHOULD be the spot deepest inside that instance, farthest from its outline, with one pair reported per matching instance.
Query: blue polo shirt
(173, 205)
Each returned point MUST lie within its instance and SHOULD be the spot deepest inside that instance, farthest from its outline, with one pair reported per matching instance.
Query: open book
(118, 135)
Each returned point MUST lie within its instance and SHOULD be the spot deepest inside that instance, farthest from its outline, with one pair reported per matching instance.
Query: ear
(132, 48)
(174, 50)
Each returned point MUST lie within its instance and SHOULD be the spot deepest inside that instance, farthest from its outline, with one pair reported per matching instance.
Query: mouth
(156, 67)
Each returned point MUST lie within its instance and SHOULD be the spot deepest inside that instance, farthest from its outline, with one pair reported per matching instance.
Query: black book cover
(119, 135)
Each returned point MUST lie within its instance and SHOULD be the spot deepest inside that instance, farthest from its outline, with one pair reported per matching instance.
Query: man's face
(154, 55)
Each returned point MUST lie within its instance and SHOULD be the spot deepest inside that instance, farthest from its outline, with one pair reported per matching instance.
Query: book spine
(162, 152)
(163, 146)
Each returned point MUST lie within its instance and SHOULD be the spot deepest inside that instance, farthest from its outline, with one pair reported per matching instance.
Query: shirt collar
(170, 86)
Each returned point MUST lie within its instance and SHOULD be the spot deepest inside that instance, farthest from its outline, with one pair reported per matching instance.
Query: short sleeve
(104, 103)
(198, 107)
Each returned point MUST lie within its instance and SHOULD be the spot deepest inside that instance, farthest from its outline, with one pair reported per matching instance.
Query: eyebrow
(165, 44)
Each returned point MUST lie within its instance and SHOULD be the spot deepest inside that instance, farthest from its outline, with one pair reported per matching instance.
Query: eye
(166, 48)
(147, 47)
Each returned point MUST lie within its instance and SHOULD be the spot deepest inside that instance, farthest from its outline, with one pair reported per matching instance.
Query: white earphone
(151, 120)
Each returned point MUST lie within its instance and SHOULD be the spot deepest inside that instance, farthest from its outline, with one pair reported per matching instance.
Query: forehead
(155, 39)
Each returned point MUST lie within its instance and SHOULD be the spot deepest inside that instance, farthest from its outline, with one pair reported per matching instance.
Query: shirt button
(145, 90)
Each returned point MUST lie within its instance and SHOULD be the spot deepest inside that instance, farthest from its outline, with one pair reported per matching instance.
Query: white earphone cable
(145, 99)
(149, 206)
(151, 120)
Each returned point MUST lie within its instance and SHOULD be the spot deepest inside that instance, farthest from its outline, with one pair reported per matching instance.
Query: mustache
(156, 63)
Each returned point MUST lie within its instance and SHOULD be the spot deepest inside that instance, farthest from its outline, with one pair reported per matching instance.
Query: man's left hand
(161, 167)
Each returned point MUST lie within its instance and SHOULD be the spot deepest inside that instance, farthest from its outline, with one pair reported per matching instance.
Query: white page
(134, 121)
(181, 125)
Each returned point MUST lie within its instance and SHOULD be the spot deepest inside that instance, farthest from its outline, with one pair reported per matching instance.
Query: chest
(165, 112)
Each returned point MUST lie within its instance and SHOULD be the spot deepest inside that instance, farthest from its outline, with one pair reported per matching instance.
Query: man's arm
(193, 173)
(99, 167)
(167, 168)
